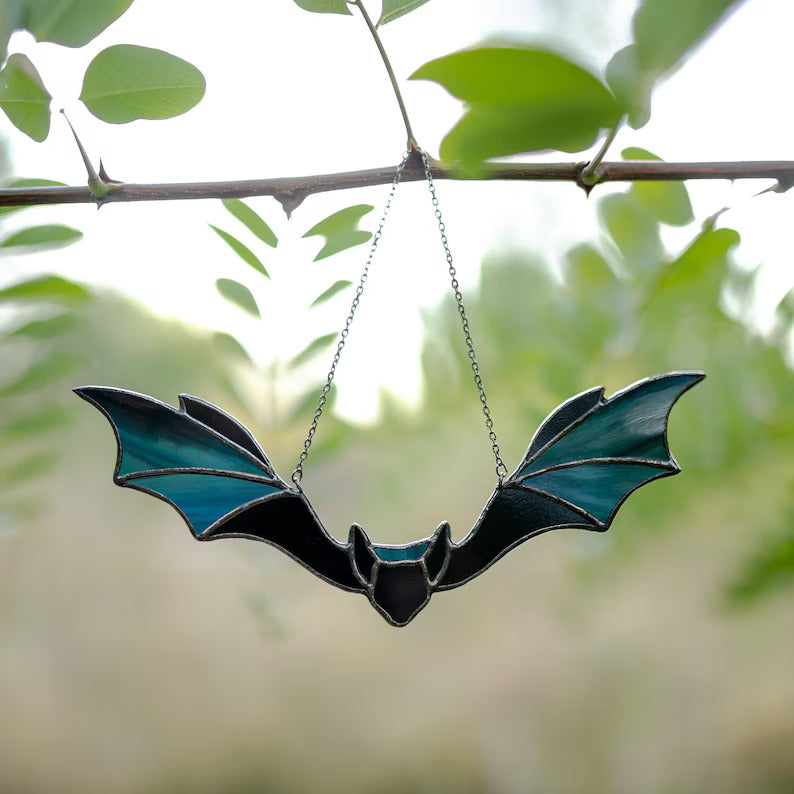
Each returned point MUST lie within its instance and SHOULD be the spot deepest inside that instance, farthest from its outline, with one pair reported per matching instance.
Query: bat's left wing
(582, 464)
(206, 465)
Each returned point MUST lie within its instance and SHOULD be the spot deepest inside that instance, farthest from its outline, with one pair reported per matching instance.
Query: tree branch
(290, 191)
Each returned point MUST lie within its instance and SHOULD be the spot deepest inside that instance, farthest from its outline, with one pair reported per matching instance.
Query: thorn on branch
(103, 175)
(99, 184)
(783, 184)
(582, 180)
(290, 200)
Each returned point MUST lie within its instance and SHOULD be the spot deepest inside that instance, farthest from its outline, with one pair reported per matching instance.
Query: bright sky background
(291, 93)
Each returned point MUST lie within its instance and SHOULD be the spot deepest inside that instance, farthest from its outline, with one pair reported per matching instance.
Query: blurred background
(656, 658)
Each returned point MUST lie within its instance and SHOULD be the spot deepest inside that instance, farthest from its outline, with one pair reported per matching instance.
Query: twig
(291, 190)
(373, 30)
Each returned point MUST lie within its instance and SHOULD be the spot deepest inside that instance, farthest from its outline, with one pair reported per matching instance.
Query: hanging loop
(415, 151)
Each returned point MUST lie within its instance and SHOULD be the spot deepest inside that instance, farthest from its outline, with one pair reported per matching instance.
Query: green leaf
(638, 153)
(44, 329)
(24, 98)
(482, 133)
(324, 6)
(245, 253)
(393, 9)
(41, 373)
(239, 295)
(666, 30)
(631, 85)
(72, 23)
(231, 346)
(46, 288)
(521, 99)
(312, 349)
(668, 202)
(126, 82)
(253, 222)
(704, 263)
(33, 182)
(586, 269)
(330, 292)
(784, 311)
(51, 234)
(21, 183)
(340, 230)
(633, 231)
(10, 20)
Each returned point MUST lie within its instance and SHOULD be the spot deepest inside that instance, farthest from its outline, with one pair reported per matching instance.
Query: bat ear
(437, 555)
(362, 556)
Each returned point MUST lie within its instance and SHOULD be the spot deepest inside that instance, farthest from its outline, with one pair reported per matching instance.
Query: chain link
(297, 474)
(501, 469)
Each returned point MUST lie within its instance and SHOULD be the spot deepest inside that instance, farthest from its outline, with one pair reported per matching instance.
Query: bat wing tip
(693, 376)
(86, 392)
(697, 375)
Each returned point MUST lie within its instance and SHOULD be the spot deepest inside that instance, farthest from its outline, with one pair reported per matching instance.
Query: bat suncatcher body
(584, 461)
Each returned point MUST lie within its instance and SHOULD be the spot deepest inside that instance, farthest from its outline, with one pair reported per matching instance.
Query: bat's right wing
(582, 464)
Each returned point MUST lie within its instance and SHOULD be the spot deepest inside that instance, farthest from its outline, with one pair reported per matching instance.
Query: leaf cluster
(32, 361)
(525, 98)
(123, 83)
(339, 232)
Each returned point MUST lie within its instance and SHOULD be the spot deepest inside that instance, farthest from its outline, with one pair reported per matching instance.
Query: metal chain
(297, 474)
(501, 469)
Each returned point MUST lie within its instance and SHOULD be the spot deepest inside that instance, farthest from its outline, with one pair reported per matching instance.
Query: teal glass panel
(391, 554)
(598, 488)
(156, 436)
(204, 498)
(630, 425)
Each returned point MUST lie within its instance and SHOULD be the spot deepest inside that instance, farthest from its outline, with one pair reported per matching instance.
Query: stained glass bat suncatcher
(583, 462)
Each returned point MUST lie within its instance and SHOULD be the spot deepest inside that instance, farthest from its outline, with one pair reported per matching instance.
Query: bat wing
(582, 464)
(205, 464)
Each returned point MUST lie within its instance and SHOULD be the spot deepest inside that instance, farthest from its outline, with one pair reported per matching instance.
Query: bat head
(399, 580)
